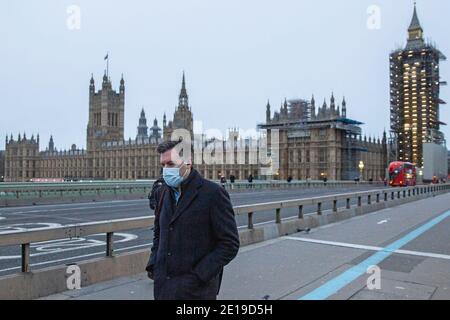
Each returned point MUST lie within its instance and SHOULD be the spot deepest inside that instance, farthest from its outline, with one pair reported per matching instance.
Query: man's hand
(150, 275)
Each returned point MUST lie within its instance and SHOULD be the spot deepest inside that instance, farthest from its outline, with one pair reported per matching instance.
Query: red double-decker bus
(402, 174)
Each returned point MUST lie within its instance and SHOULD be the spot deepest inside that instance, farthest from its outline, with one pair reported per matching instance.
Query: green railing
(12, 193)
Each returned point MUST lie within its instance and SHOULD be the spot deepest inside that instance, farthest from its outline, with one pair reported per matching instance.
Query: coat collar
(189, 191)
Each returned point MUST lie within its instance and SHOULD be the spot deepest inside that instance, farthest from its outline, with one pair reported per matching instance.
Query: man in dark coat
(195, 232)
(153, 195)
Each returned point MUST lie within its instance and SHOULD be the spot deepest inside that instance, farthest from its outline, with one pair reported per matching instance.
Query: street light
(361, 168)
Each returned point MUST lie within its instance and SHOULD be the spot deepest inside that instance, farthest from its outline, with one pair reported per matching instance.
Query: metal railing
(294, 184)
(30, 192)
(371, 197)
(25, 238)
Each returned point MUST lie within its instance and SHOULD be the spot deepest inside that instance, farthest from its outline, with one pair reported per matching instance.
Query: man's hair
(167, 145)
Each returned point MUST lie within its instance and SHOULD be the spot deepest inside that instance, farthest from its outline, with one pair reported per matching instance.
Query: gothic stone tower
(21, 157)
(182, 118)
(106, 114)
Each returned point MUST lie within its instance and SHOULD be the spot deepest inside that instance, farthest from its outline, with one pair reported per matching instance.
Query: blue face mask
(172, 177)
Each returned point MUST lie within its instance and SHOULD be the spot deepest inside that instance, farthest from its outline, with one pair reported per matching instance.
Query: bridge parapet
(22, 285)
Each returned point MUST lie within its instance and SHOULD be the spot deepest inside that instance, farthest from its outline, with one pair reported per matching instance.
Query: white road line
(383, 221)
(68, 209)
(77, 257)
(370, 248)
(74, 205)
(40, 246)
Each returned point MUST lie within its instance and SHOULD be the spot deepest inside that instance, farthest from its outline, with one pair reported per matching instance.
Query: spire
(415, 32)
(284, 109)
(332, 104)
(344, 108)
(155, 134)
(92, 84)
(51, 144)
(142, 129)
(184, 99)
(268, 111)
(122, 85)
(415, 23)
(313, 107)
(164, 120)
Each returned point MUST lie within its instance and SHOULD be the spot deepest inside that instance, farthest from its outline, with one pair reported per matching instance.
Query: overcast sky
(236, 54)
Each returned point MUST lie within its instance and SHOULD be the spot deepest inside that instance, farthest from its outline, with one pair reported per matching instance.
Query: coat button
(170, 229)
(169, 254)
(168, 278)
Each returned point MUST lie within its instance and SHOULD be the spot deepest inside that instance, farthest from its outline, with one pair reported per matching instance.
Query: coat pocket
(191, 288)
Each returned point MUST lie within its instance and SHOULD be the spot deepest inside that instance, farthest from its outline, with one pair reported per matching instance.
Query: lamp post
(361, 168)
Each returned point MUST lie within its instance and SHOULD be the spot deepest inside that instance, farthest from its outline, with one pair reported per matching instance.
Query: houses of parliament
(313, 145)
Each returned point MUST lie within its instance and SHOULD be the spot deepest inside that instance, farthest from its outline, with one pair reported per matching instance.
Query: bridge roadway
(408, 243)
(51, 253)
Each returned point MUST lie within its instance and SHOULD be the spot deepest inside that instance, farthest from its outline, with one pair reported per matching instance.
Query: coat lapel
(189, 193)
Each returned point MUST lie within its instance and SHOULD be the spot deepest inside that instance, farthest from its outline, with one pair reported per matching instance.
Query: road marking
(336, 244)
(371, 248)
(21, 226)
(54, 246)
(383, 221)
(92, 205)
(333, 286)
(68, 209)
(77, 257)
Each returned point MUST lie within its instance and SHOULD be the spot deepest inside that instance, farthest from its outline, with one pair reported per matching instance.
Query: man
(195, 233)
(153, 195)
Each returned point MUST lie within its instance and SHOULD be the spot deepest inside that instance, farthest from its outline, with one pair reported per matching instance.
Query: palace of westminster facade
(313, 144)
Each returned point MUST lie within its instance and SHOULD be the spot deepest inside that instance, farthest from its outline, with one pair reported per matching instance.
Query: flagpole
(107, 64)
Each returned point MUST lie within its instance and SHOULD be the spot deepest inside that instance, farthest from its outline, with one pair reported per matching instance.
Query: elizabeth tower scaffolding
(415, 84)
